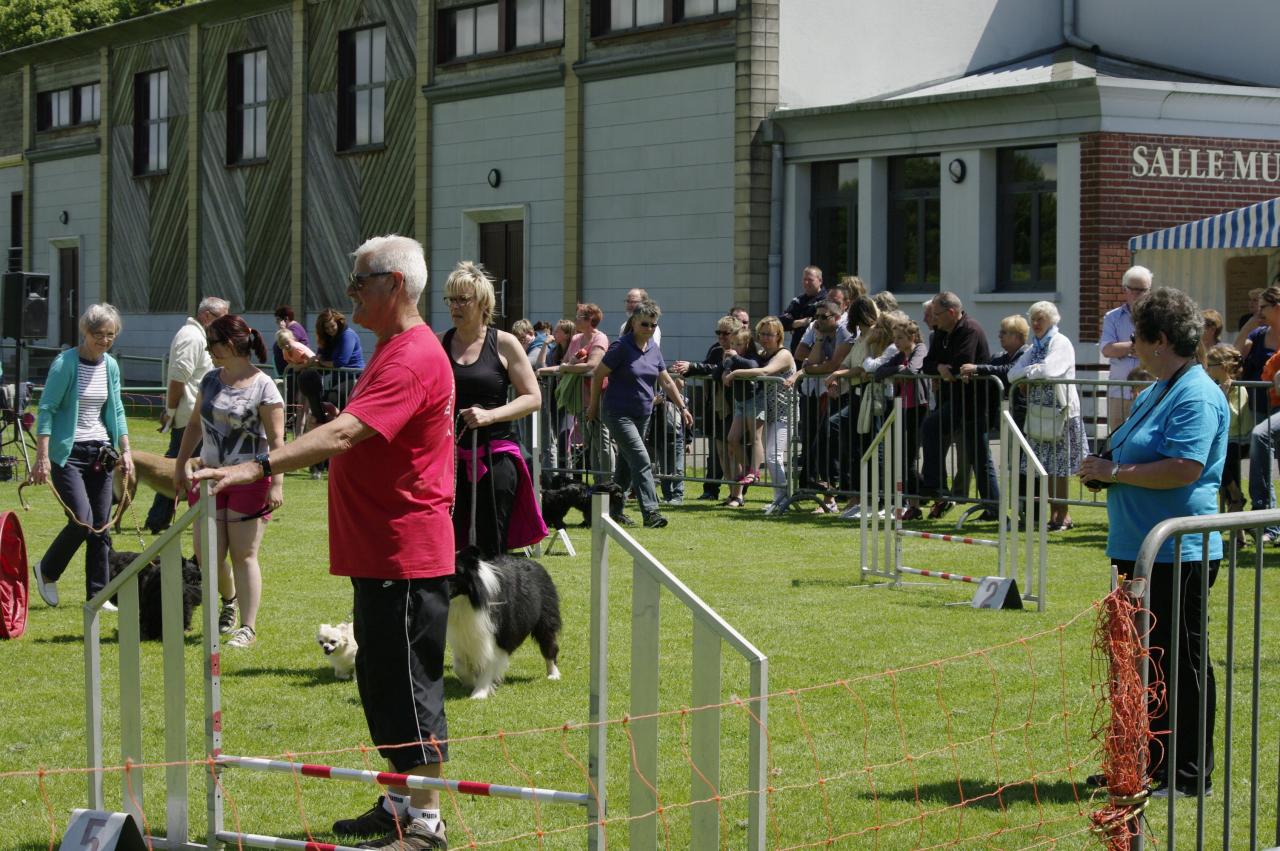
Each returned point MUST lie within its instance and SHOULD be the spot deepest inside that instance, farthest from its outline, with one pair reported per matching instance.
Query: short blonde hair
(773, 324)
(1017, 325)
(97, 316)
(1213, 319)
(727, 323)
(521, 327)
(471, 279)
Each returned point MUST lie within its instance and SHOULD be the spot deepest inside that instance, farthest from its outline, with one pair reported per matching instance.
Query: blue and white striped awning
(1255, 226)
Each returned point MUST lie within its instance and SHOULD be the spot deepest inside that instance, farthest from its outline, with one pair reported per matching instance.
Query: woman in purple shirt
(634, 365)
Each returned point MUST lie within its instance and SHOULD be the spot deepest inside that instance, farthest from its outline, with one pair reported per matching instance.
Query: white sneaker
(245, 636)
(109, 607)
(48, 590)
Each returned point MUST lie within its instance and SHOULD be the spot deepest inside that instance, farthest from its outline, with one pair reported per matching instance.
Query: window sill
(361, 149)
(62, 127)
(1016, 295)
(143, 175)
(459, 62)
(615, 35)
(248, 163)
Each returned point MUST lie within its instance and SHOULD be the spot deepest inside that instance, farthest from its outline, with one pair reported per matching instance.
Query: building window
(493, 28)
(1027, 219)
(833, 203)
(362, 87)
(247, 106)
(915, 254)
(68, 107)
(151, 122)
(15, 232)
(611, 16)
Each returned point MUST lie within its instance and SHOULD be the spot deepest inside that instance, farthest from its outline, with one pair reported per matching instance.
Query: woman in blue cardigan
(81, 418)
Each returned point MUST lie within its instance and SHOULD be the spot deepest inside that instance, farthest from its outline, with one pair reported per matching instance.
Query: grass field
(886, 728)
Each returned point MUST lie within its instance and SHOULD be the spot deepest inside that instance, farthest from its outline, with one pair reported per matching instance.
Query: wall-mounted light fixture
(495, 177)
(64, 217)
(956, 169)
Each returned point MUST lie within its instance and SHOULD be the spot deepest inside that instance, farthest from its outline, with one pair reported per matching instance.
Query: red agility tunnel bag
(13, 577)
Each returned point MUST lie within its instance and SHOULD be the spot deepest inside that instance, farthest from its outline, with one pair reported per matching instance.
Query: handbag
(1046, 421)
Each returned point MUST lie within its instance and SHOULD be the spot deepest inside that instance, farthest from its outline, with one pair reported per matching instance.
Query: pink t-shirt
(391, 496)
(297, 353)
(580, 347)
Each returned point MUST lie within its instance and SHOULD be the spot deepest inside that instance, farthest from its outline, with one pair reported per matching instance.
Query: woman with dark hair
(81, 422)
(634, 366)
(337, 348)
(493, 483)
(1166, 461)
(1257, 343)
(285, 320)
(241, 419)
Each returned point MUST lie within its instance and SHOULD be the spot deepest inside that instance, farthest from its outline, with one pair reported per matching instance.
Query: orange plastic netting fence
(984, 748)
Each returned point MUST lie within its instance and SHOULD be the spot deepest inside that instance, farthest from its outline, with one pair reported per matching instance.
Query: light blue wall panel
(521, 135)
(658, 198)
(69, 186)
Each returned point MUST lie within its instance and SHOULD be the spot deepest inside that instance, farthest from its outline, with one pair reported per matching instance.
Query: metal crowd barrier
(1144, 566)
(1105, 404)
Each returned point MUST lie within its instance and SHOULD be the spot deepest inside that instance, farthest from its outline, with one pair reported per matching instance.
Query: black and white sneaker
(375, 821)
(655, 521)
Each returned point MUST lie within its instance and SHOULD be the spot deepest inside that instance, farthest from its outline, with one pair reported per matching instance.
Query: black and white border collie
(497, 604)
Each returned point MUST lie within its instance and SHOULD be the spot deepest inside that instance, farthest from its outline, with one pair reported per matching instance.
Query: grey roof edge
(926, 100)
(79, 148)
(655, 60)
(523, 80)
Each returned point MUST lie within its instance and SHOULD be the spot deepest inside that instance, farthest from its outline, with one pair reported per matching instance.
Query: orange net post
(1126, 733)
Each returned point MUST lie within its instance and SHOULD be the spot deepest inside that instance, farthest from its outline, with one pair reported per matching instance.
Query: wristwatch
(264, 461)
(1115, 474)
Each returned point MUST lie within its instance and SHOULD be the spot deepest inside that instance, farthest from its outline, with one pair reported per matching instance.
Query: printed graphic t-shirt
(233, 430)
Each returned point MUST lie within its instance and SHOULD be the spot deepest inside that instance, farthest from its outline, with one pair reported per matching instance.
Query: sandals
(732, 502)
(911, 513)
(749, 479)
(940, 508)
(1055, 526)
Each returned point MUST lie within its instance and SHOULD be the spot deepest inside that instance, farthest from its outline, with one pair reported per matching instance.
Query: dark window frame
(446, 32)
(351, 89)
(75, 114)
(825, 199)
(1007, 191)
(16, 211)
(144, 123)
(238, 109)
(673, 14)
(924, 198)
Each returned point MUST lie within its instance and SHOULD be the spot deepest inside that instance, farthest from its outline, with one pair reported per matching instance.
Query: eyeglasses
(106, 336)
(825, 315)
(647, 324)
(459, 300)
(1137, 289)
(723, 333)
(357, 280)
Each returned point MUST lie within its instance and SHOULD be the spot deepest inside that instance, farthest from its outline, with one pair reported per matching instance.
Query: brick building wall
(1116, 203)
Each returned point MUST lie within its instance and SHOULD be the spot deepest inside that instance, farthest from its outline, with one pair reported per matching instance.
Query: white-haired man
(1116, 343)
(391, 478)
(188, 362)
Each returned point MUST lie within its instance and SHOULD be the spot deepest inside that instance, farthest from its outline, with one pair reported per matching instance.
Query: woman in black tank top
(487, 365)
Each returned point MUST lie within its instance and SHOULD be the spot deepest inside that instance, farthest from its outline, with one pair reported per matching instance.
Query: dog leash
(125, 501)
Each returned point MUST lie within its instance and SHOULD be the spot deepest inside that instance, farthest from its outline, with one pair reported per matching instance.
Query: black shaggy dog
(495, 606)
(150, 618)
(556, 501)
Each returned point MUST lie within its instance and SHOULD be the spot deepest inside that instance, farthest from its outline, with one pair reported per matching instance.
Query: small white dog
(339, 646)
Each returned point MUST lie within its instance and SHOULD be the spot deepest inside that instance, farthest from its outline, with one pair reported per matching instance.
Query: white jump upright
(710, 632)
(1021, 552)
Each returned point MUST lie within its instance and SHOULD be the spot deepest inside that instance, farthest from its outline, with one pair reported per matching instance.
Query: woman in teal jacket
(81, 418)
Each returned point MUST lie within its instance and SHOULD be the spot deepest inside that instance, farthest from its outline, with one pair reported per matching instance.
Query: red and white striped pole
(938, 574)
(412, 781)
(953, 539)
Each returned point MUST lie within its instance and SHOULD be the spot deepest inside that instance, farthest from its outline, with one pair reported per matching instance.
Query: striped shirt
(91, 379)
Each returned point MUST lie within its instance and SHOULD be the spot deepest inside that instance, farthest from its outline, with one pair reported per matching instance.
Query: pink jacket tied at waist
(527, 526)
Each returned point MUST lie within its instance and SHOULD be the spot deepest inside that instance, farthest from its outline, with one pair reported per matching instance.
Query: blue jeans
(87, 492)
(161, 513)
(633, 466)
(1262, 442)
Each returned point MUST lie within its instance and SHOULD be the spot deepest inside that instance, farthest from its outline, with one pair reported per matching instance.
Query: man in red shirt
(390, 499)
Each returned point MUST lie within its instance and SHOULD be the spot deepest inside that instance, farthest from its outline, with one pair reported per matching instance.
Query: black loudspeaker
(26, 306)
